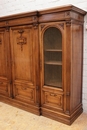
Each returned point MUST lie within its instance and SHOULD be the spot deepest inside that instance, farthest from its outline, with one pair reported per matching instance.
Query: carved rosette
(67, 14)
(21, 40)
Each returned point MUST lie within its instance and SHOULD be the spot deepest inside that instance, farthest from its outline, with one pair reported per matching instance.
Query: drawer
(24, 93)
(3, 88)
(51, 99)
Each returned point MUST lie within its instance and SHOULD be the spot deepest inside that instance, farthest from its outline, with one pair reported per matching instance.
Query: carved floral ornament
(21, 40)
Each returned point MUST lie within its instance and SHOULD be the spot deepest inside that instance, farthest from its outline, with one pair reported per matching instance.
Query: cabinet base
(27, 107)
(61, 117)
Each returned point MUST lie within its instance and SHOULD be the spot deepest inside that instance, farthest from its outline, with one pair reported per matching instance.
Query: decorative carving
(67, 14)
(62, 25)
(42, 26)
(35, 26)
(7, 28)
(34, 18)
(59, 101)
(21, 40)
(68, 23)
(7, 22)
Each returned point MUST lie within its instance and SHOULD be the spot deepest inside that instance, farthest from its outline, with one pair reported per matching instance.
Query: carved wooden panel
(23, 54)
(3, 54)
(53, 99)
(24, 93)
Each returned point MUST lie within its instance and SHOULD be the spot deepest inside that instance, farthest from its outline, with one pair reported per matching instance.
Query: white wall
(8, 7)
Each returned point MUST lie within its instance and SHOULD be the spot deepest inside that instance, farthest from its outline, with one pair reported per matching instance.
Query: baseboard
(27, 107)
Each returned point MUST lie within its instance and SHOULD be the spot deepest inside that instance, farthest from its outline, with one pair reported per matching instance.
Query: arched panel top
(52, 50)
(52, 38)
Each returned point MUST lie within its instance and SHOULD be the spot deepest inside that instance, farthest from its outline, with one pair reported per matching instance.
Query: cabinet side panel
(77, 46)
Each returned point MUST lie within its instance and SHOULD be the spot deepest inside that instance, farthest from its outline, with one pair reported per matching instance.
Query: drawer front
(24, 93)
(51, 99)
(4, 88)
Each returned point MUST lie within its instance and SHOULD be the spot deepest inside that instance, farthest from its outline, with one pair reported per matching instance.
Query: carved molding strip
(21, 40)
(0, 41)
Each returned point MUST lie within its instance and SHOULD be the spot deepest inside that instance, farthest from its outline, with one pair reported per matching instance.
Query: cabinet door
(4, 63)
(52, 75)
(23, 63)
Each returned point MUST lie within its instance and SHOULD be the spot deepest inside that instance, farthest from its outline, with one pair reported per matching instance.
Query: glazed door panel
(23, 66)
(52, 65)
(4, 65)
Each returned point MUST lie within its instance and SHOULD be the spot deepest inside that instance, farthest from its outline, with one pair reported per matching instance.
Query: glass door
(52, 41)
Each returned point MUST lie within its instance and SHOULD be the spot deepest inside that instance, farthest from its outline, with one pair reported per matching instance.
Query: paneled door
(52, 74)
(4, 64)
(23, 64)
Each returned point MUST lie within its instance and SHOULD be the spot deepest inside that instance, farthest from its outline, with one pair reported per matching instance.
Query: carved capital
(7, 22)
(68, 23)
(7, 28)
(34, 18)
(35, 25)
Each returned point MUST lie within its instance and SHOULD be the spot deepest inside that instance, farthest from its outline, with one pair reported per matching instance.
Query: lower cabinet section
(24, 93)
(61, 117)
(53, 100)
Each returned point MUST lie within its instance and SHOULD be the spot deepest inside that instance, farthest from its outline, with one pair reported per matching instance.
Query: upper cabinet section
(62, 13)
(20, 19)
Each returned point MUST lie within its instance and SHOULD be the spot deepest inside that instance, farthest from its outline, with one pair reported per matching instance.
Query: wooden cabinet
(19, 78)
(23, 63)
(41, 62)
(5, 86)
(61, 53)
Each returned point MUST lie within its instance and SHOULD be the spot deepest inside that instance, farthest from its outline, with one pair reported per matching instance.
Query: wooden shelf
(53, 62)
(54, 50)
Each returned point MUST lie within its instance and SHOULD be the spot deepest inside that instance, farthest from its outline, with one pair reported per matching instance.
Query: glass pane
(53, 57)
(53, 75)
(52, 38)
